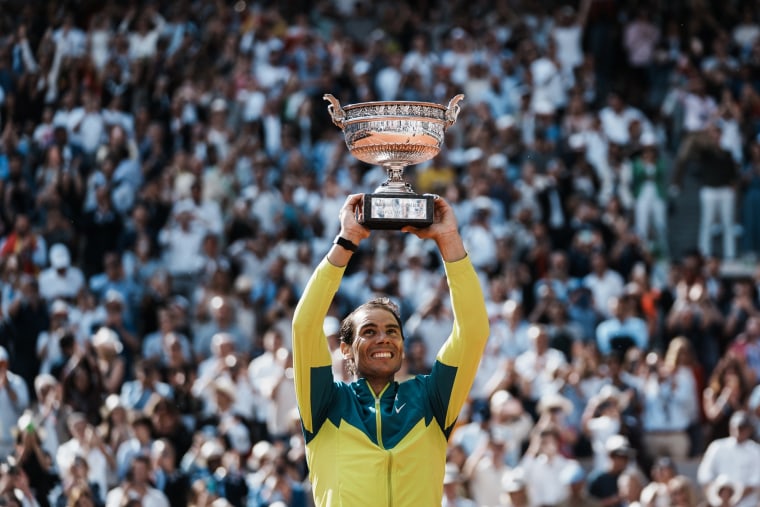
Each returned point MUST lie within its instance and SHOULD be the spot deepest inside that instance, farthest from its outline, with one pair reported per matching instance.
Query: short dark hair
(347, 328)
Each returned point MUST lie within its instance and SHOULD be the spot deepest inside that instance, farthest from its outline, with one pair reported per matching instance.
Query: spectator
(682, 492)
(623, 330)
(86, 443)
(735, 456)
(27, 245)
(171, 482)
(139, 444)
(543, 459)
(603, 484)
(485, 468)
(515, 489)
(452, 488)
(536, 364)
(14, 399)
(719, 176)
(135, 394)
(61, 279)
(603, 282)
(669, 408)
(137, 485)
(726, 393)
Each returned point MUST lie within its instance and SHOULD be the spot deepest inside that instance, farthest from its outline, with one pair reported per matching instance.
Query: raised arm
(312, 362)
(458, 360)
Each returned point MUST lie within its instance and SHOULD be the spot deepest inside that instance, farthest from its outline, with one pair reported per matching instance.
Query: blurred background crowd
(170, 175)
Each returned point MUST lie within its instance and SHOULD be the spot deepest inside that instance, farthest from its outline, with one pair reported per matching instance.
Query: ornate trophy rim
(375, 103)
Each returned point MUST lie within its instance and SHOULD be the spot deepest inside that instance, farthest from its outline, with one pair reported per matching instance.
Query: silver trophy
(394, 135)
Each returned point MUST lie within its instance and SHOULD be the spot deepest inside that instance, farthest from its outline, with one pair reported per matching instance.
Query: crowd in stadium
(170, 176)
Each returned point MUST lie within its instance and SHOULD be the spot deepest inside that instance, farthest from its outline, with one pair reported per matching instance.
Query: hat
(714, 488)
(42, 381)
(211, 449)
(218, 105)
(618, 445)
(113, 296)
(740, 419)
(497, 161)
(577, 141)
(482, 203)
(609, 393)
(555, 401)
(106, 337)
(59, 306)
(543, 107)
(59, 256)
(113, 401)
(513, 481)
(451, 474)
(184, 206)
(225, 386)
(220, 339)
(243, 283)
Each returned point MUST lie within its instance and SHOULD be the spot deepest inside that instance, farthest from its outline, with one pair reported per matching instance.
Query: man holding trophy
(377, 441)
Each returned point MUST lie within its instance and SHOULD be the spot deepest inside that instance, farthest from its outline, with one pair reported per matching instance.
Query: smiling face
(377, 347)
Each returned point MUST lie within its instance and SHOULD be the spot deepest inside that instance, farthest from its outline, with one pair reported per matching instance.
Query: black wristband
(345, 243)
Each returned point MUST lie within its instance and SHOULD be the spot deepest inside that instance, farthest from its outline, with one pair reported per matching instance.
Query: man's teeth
(381, 354)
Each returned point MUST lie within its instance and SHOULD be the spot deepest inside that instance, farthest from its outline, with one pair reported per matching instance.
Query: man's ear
(346, 350)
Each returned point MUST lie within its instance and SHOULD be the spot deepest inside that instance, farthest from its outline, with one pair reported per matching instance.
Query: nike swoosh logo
(398, 409)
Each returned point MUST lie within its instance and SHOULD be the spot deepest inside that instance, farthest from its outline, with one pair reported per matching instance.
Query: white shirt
(182, 252)
(615, 124)
(536, 369)
(92, 131)
(152, 498)
(668, 405)
(10, 411)
(485, 482)
(698, 111)
(603, 288)
(53, 284)
(541, 477)
(569, 50)
(740, 461)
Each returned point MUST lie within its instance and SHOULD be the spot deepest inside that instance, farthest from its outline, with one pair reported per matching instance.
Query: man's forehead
(375, 317)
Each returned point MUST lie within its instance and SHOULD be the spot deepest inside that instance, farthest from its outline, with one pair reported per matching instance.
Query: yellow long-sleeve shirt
(386, 450)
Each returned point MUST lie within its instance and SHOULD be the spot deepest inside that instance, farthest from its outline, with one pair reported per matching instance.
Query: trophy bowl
(394, 135)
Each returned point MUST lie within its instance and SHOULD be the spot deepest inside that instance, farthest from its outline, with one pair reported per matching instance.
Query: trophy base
(392, 211)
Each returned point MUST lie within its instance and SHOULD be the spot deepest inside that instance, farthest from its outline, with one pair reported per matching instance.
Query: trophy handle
(452, 110)
(337, 113)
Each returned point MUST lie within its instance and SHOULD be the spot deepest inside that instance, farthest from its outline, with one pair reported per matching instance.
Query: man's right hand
(350, 228)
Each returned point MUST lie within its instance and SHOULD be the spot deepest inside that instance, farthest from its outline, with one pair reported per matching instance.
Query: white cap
(59, 256)
(723, 481)
(218, 105)
(106, 337)
(59, 306)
